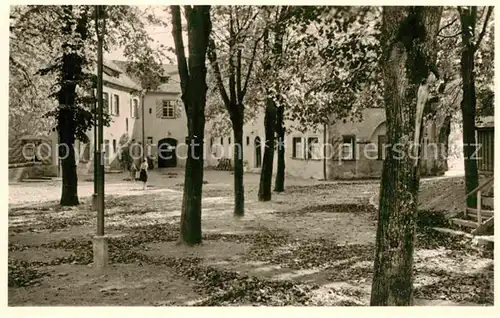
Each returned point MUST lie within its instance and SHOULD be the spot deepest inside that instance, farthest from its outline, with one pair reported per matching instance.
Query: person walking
(143, 175)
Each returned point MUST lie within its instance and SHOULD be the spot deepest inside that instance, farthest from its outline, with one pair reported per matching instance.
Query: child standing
(133, 170)
(143, 176)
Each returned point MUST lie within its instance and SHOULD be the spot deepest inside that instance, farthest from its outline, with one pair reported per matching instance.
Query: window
(114, 145)
(136, 108)
(150, 140)
(298, 148)
(222, 140)
(150, 110)
(313, 151)
(211, 142)
(382, 150)
(105, 106)
(248, 140)
(348, 146)
(116, 105)
(168, 109)
(229, 140)
(106, 152)
(126, 124)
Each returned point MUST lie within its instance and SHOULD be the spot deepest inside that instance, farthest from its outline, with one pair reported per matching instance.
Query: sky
(161, 35)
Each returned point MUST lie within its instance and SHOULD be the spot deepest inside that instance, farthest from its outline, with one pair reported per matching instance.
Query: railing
(478, 191)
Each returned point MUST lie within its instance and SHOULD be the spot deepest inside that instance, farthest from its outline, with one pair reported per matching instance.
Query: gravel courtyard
(312, 245)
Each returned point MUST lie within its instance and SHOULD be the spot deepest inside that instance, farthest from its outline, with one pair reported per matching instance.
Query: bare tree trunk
(409, 52)
(266, 173)
(279, 184)
(194, 89)
(239, 190)
(468, 104)
(69, 196)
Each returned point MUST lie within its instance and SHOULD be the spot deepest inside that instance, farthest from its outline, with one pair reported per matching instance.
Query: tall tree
(65, 34)
(470, 45)
(192, 73)
(409, 55)
(236, 26)
(70, 69)
(275, 32)
(322, 59)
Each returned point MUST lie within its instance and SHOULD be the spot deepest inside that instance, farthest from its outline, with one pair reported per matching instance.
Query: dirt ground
(312, 245)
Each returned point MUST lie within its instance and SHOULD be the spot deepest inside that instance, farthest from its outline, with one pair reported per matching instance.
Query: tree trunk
(194, 89)
(266, 173)
(443, 136)
(279, 184)
(69, 195)
(239, 190)
(409, 49)
(468, 104)
(190, 232)
(71, 72)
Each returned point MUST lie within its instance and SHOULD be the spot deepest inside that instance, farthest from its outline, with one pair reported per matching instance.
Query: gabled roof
(122, 80)
(173, 84)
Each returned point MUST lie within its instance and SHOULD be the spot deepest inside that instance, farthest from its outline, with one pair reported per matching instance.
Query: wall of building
(299, 167)
(158, 127)
(368, 162)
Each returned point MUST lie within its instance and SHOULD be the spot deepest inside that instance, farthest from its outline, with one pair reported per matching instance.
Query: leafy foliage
(38, 38)
(329, 60)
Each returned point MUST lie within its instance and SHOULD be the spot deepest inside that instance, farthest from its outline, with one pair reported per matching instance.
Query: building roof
(172, 85)
(122, 80)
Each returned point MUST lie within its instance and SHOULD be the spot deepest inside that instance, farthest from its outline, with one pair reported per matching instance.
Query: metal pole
(143, 137)
(96, 165)
(100, 189)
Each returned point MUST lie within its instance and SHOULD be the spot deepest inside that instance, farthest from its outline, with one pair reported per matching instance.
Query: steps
(479, 222)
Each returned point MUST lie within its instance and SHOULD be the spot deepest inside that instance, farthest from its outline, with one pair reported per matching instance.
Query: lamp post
(96, 163)
(143, 96)
(100, 188)
(100, 243)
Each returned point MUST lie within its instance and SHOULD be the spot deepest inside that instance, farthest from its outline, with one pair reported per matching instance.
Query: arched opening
(258, 153)
(167, 157)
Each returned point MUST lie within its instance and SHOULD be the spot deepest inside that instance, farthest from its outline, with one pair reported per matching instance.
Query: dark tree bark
(468, 18)
(69, 195)
(239, 190)
(194, 88)
(409, 54)
(266, 173)
(71, 72)
(279, 184)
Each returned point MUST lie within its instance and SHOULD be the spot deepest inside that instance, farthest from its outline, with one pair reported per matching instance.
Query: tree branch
(232, 81)
(238, 73)
(447, 25)
(449, 36)
(249, 71)
(179, 48)
(481, 35)
(212, 57)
